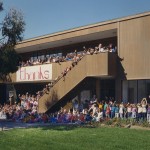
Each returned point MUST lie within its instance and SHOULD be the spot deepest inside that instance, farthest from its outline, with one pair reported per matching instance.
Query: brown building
(123, 75)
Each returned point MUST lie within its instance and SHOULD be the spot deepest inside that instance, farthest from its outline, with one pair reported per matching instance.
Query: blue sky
(48, 16)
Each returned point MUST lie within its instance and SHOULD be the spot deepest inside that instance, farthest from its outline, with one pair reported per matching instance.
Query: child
(139, 114)
(108, 111)
(113, 111)
(121, 108)
(148, 113)
(129, 111)
(144, 105)
(117, 111)
(134, 111)
(99, 115)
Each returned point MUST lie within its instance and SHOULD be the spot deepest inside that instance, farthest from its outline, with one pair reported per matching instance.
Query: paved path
(7, 125)
(12, 125)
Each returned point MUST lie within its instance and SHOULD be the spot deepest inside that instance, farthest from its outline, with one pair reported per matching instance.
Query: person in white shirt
(121, 107)
(129, 111)
(101, 49)
(99, 115)
(144, 110)
(148, 114)
(139, 111)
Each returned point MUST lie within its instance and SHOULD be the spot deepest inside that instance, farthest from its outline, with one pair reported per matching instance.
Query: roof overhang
(68, 41)
(77, 35)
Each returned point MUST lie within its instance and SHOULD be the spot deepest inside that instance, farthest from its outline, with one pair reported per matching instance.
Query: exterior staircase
(96, 65)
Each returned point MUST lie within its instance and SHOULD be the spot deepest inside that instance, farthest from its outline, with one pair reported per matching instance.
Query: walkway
(5, 125)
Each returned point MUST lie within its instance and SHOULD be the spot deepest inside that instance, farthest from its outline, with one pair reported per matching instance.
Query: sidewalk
(13, 125)
(4, 126)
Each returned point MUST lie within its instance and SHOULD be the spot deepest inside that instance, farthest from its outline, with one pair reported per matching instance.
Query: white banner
(34, 73)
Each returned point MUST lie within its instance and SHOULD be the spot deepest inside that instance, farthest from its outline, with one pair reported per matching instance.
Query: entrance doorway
(2, 93)
(107, 89)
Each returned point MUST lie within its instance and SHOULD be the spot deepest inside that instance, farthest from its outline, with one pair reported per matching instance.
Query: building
(124, 75)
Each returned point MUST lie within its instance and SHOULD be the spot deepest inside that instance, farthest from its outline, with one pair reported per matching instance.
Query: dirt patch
(139, 127)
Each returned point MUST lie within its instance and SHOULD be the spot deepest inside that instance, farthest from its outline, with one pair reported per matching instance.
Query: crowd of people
(74, 56)
(25, 110)
(25, 103)
(26, 107)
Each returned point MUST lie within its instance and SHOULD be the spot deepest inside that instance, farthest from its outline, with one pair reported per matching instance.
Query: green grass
(75, 138)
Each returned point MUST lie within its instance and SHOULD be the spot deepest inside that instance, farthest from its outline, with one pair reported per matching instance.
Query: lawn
(75, 138)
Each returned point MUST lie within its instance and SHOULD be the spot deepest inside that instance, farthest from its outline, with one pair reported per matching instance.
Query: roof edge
(87, 26)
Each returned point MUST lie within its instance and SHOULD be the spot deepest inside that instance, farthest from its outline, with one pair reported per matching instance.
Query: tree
(12, 28)
(1, 6)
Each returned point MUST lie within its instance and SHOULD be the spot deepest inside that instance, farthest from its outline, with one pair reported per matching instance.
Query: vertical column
(118, 90)
(2, 93)
(98, 89)
(10, 93)
(118, 38)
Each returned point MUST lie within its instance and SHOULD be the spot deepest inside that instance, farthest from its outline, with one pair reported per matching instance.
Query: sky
(44, 17)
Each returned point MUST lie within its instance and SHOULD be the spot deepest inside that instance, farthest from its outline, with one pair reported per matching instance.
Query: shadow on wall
(121, 71)
(53, 99)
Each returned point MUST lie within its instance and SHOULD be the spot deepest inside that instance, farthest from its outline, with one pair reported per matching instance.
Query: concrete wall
(134, 47)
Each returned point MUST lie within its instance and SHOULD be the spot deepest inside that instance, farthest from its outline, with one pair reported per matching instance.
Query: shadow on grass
(63, 127)
(67, 127)
(46, 126)
(60, 127)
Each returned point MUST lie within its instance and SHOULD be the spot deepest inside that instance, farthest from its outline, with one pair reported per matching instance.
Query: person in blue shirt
(113, 110)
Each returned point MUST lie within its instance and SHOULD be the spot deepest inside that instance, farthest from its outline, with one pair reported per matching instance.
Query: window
(134, 90)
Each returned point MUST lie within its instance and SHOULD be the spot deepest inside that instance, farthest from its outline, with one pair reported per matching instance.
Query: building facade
(123, 75)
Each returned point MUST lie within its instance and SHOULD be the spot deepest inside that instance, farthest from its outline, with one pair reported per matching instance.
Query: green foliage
(12, 28)
(8, 61)
(134, 122)
(1, 6)
(124, 121)
(145, 124)
(115, 119)
(108, 122)
(118, 123)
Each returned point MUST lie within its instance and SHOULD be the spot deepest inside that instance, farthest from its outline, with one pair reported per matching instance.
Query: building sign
(34, 73)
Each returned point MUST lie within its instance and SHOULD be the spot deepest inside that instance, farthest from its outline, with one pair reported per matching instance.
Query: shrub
(109, 122)
(145, 124)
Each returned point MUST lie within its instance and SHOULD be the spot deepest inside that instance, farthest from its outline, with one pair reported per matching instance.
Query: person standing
(121, 109)
(148, 113)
